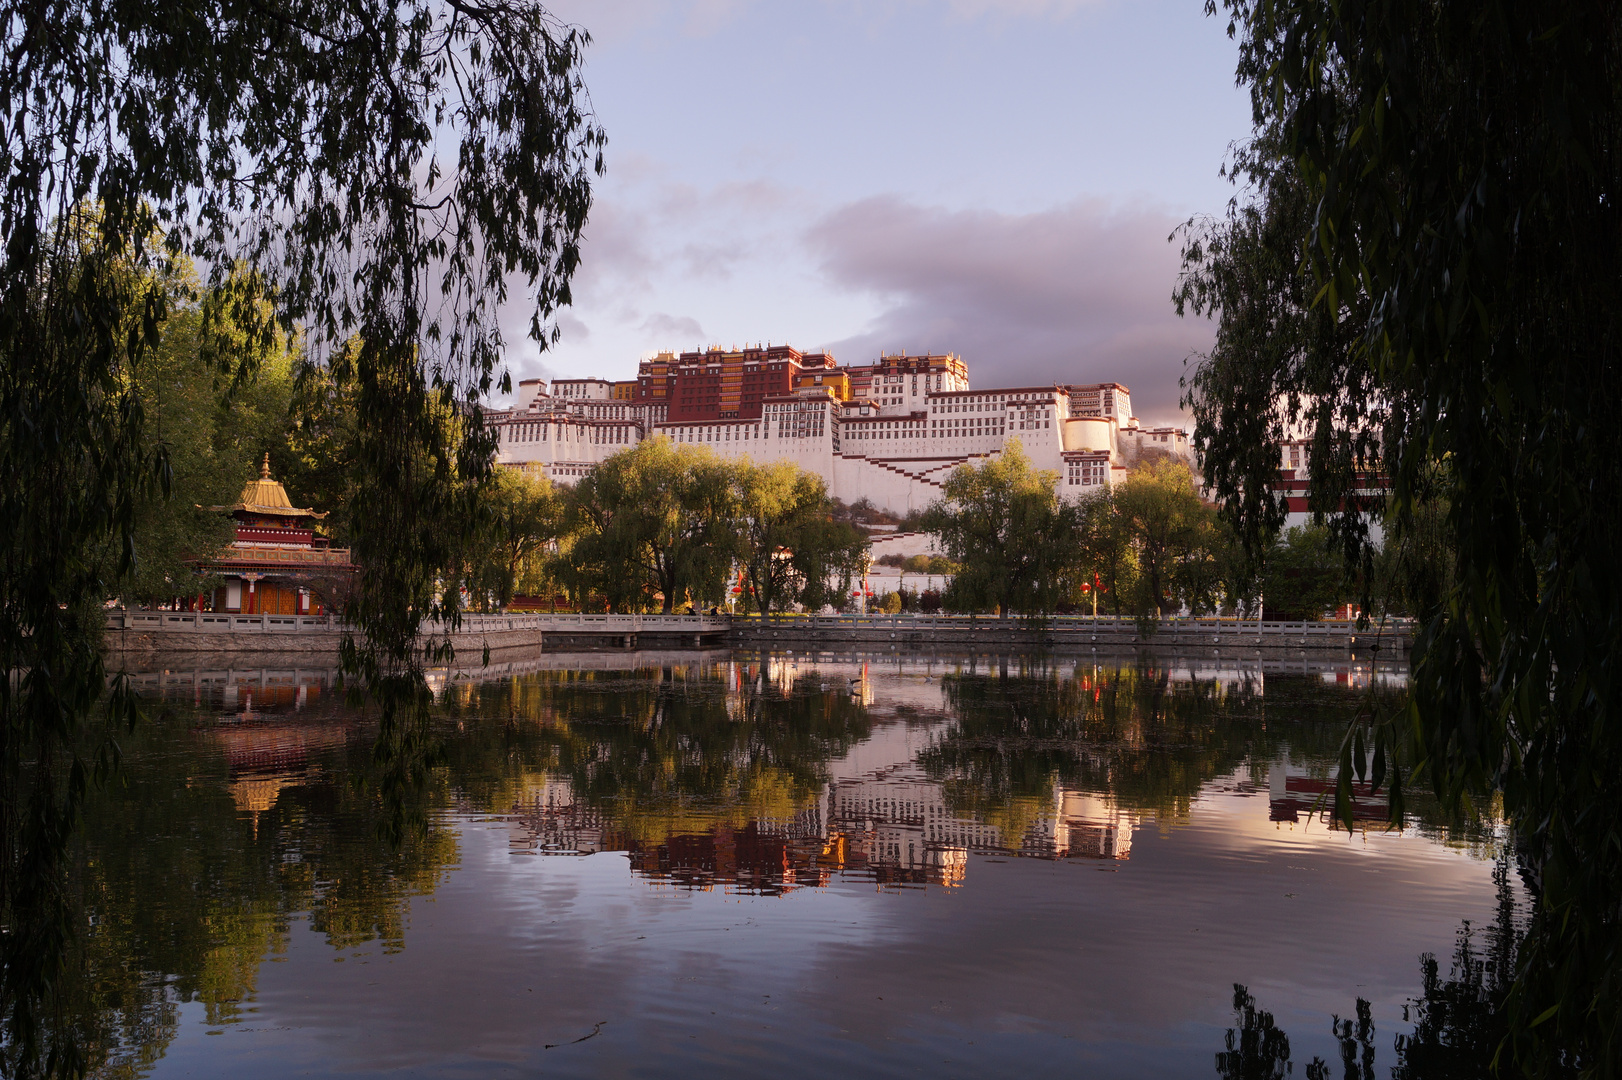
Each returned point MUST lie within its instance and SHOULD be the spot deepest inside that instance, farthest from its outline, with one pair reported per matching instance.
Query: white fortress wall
(904, 544)
(895, 446)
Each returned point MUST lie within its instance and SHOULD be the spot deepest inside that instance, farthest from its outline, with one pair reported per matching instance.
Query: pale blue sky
(995, 178)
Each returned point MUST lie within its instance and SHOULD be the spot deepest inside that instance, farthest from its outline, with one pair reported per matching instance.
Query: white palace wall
(896, 456)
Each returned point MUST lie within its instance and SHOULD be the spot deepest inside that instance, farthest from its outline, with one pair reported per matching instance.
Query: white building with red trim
(891, 437)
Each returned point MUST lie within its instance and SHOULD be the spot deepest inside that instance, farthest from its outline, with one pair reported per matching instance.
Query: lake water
(739, 864)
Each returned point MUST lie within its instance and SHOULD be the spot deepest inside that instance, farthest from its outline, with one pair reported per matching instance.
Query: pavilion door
(275, 599)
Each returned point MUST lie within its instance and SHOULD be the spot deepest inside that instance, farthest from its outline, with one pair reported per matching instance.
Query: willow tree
(1170, 533)
(521, 517)
(389, 172)
(1425, 267)
(1013, 537)
(790, 548)
(656, 520)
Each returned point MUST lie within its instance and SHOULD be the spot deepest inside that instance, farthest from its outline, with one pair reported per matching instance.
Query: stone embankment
(1073, 633)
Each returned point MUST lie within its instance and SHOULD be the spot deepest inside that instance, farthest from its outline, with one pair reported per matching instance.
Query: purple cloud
(1078, 293)
(677, 331)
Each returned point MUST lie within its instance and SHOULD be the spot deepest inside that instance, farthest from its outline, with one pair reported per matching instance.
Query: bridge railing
(634, 624)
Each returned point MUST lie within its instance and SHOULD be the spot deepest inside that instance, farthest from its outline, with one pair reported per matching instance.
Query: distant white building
(889, 432)
(1294, 482)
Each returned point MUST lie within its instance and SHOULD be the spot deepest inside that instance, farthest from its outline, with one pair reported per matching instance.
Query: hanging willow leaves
(386, 174)
(1426, 264)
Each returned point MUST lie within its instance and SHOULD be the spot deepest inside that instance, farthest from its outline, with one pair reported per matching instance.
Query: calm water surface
(734, 864)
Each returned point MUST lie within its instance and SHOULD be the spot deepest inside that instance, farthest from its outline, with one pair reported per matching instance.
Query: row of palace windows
(1087, 473)
(539, 431)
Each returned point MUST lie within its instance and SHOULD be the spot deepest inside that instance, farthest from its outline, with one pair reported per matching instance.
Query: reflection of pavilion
(264, 757)
(267, 746)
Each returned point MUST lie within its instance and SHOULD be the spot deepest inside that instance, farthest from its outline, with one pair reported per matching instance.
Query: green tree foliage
(522, 516)
(790, 548)
(320, 456)
(1108, 567)
(380, 170)
(919, 564)
(1414, 571)
(1172, 534)
(1437, 194)
(212, 430)
(1278, 362)
(181, 397)
(654, 521)
(1305, 575)
(74, 467)
(1011, 535)
(1149, 546)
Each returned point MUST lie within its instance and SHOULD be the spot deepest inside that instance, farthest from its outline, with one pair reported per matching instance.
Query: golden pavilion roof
(267, 496)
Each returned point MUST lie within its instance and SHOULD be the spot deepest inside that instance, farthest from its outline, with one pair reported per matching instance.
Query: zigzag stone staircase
(922, 476)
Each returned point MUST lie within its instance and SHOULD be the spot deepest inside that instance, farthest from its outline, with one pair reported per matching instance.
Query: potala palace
(889, 431)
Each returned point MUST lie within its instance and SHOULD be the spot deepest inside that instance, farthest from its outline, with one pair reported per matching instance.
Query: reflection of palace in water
(875, 814)
(900, 820)
(1296, 791)
(892, 825)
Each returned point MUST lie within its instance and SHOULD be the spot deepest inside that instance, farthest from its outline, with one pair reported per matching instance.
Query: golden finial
(264, 469)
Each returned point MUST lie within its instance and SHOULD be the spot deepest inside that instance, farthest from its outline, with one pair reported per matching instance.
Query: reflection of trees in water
(1144, 736)
(660, 752)
(1458, 1021)
(181, 892)
(181, 895)
(1256, 1048)
(1134, 733)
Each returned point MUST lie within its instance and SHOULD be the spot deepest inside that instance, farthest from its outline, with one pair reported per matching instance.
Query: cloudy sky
(995, 178)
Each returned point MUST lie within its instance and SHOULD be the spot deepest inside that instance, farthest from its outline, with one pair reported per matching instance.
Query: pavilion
(277, 564)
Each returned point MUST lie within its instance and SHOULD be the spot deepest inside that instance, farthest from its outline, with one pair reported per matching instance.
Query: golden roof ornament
(267, 496)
